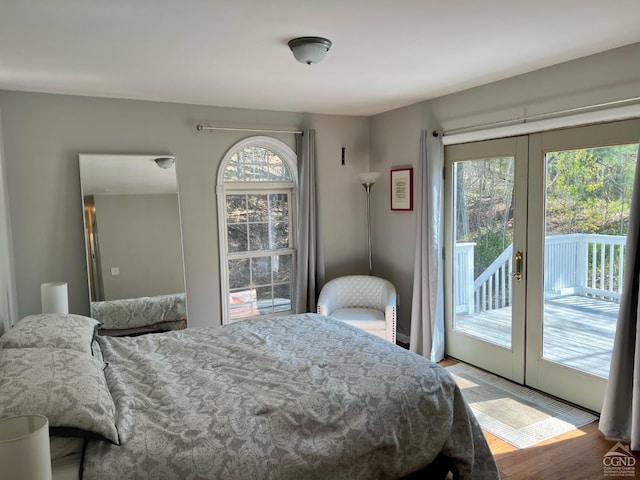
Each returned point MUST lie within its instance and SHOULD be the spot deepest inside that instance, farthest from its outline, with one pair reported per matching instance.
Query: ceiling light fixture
(309, 50)
(165, 162)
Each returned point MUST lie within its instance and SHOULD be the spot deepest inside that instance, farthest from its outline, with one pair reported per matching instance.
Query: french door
(534, 254)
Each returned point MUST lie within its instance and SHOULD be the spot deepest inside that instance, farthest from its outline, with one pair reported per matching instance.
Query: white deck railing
(574, 264)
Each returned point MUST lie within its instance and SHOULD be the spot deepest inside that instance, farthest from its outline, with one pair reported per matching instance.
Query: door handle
(517, 274)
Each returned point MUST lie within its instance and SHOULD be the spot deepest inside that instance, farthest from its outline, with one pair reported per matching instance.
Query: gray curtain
(8, 297)
(620, 416)
(310, 265)
(427, 308)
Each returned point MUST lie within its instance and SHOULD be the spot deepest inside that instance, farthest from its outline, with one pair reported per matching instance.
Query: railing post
(582, 261)
(469, 277)
(464, 270)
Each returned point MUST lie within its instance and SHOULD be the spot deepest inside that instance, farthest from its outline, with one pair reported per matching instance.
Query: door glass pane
(483, 238)
(588, 194)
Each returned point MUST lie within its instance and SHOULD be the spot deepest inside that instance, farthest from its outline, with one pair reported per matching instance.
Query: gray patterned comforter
(139, 312)
(298, 397)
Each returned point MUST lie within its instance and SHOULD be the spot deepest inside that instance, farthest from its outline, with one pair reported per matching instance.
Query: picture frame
(402, 189)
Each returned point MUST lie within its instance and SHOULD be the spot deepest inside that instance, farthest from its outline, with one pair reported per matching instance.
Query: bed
(135, 316)
(295, 397)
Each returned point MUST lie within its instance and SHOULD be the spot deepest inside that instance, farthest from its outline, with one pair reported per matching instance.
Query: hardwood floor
(575, 455)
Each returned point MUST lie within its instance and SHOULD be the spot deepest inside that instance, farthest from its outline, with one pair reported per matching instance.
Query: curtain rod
(533, 117)
(201, 127)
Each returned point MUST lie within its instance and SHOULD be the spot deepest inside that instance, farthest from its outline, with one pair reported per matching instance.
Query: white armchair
(362, 301)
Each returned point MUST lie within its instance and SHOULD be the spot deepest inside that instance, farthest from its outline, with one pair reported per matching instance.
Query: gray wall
(44, 134)
(395, 137)
(139, 235)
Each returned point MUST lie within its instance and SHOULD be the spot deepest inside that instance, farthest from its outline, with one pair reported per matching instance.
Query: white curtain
(310, 271)
(427, 309)
(8, 303)
(620, 416)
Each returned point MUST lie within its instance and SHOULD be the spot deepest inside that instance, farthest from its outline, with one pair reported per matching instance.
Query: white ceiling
(385, 54)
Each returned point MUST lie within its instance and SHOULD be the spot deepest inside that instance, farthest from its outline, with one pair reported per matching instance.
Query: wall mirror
(132, 226)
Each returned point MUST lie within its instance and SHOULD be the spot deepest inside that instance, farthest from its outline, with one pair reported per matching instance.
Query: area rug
(516, 414)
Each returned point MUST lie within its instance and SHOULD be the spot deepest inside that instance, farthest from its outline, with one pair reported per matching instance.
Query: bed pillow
(66, 386)
(64, 446)
(55, 330)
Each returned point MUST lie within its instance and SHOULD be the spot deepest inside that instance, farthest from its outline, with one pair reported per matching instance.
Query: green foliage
(588, 191)
(490, 246)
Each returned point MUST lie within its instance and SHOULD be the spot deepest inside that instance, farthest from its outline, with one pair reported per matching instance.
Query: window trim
(223, 188)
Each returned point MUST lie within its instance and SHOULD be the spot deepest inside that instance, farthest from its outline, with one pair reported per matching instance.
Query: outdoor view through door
(588, 196)
(483, 230)
(535, 251)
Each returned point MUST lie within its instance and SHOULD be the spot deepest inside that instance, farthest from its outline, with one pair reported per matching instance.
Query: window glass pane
(261, 270)
(279, 235)
(279, 207)
(587, 209)
(251, 173)
(282, 297)
(258, 236)
(265, 299)
(256, 164)
(232, 170)
(483, 236)
(242, 304)
(278, 171)
(236, 208)
(237, 238)
(281, 268)
(239, 273)
(258, 208)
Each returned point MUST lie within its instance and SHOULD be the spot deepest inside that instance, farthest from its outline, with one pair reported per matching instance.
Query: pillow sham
(66, 386)
(55, 330)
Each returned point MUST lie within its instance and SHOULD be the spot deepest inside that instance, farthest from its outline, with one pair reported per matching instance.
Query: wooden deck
(578, 331)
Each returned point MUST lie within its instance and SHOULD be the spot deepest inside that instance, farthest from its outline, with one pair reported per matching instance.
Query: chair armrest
(391, 297)
(390, 313)
(328, 299)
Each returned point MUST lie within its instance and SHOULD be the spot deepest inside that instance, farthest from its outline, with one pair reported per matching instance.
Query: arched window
(256, 192)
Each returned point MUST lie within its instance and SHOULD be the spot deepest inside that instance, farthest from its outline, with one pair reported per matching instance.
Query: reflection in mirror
(133, 238)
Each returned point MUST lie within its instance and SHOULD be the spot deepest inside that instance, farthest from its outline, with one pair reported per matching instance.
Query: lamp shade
(369, 177)
(309, 50)
(54, 297)
(24, 448)
(165, 162)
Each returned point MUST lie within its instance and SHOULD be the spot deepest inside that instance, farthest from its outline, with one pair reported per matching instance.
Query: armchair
(362, 301)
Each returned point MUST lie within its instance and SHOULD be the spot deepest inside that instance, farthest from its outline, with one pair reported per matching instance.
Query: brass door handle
(517, 274)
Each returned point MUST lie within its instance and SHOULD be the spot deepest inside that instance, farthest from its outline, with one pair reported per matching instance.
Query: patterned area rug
(516, 414)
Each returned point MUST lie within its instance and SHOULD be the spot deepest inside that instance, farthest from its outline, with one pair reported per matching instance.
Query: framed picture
(402, 189)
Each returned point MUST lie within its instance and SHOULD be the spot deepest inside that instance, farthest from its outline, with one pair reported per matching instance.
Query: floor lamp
(367, 179)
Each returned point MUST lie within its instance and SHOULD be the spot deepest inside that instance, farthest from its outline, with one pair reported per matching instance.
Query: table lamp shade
(24, 448)
(54, 297)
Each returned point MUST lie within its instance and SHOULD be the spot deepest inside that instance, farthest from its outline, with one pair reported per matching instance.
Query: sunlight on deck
(578, 331)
